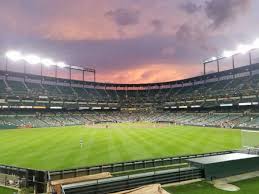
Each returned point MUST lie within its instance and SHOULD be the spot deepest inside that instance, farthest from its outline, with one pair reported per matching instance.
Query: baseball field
(60, 148)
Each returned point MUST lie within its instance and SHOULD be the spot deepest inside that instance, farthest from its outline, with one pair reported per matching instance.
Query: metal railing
(127, 166)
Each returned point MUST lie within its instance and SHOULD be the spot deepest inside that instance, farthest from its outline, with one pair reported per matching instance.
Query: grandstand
(226, 99)
(234, 87)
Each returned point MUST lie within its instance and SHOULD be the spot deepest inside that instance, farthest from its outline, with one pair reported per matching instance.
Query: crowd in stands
(57, 119)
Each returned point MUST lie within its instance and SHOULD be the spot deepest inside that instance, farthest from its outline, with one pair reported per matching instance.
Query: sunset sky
(129, 41)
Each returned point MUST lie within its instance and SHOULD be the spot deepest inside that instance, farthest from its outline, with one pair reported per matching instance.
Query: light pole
(70, 75)
(41, 72)
(204, 72)
(218, 65)
(6, 65)
(84, 78)
(56, 73)
(250, 58)
(233, 65)
(24, 70)
(250, 62)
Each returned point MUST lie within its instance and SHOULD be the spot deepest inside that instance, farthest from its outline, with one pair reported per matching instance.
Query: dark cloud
(222, 11)
(124, 17)
(80, 34)
(190, 7)
(195, 40)
(157, 25)
(112, 55)
(190, 33)
(184, 33)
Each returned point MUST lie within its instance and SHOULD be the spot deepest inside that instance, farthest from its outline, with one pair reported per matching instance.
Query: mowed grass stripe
(59, 148)
(249, 186)
(4, 190)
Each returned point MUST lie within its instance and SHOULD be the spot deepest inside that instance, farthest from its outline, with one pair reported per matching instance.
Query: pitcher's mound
(225, 186)
(149, 189)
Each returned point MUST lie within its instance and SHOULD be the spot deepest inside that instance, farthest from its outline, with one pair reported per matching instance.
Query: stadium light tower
(232, 54)
(13, 56)
(61, 65)
(206, 62)
(84, 77)
(241, 49)
(32, 59)
(49, 62)
(90, 70)
(70, 75)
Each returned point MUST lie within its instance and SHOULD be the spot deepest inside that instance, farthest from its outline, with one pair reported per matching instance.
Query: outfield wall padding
(127, 166)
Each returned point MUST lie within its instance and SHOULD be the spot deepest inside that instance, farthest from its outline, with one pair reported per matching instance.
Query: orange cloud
(150, 73)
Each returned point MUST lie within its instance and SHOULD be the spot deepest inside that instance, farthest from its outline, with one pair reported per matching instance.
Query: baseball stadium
(62, 131)
(57, 131)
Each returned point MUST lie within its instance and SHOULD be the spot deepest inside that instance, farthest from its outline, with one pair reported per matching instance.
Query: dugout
(221, 166)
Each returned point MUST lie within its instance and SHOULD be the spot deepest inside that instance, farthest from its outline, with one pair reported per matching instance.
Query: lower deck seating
(3, 88)
(56, 119)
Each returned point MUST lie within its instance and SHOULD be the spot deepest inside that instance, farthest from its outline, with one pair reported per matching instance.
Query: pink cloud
(150, 73)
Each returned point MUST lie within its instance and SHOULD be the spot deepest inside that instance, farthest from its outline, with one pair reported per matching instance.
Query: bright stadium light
(256, 43)
(77, 68)
(243, 49)
(211, 59)
(32, 59)
(228, 54)
(214, 58)
(48, 62)
(14, 55)
(61, 64)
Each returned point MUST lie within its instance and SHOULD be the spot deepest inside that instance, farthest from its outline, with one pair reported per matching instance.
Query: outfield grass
(250, 186)
(4, 190)
(59, 148)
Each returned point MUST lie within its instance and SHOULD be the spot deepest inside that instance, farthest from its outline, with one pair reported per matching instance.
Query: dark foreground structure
(226, 165)
(200, 166)
(208, 166)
